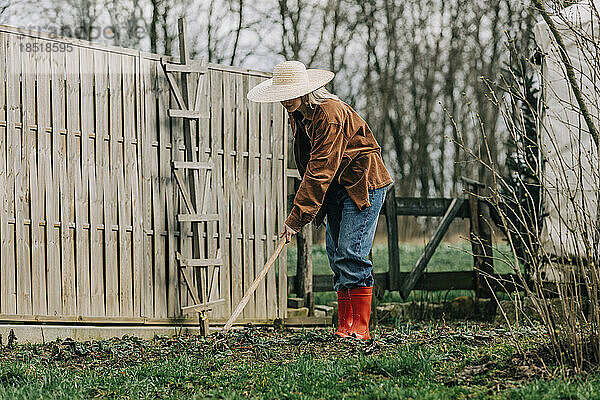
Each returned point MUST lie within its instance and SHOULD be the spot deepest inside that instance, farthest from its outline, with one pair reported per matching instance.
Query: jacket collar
(298, 116)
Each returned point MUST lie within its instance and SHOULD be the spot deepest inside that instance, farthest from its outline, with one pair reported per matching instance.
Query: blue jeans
(349, 237)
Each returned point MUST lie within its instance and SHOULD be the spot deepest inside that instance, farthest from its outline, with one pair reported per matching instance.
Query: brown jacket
(334, 145)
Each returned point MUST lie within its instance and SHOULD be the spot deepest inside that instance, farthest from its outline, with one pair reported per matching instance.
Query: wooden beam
(197, 217)
(191, 165)
(391, 219)
(484, 260)
(429, 281)
(203, 306)
(480, 234)
(187, 198)
(188, 114)
(423, 260)
(324, 283)
(201, 82)
(427, 207)
(41, 320)
(197, 66)
(188, 281)
(307, 321)
(199, 262)
(178, 95)
(472, 182)
(293, 173)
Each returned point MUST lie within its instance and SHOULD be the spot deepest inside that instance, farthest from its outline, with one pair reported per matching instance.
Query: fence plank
(106, 139)
(162, 290)
(36, 182)
(131, 194)
(81, 169)
(167, 144)
(248, 211)
(282, 213)
(58, 95)
(227, 184)
(258, 157)
(202, 104)
(14, 100)
(267, 167)
(143, 270)
(120, 267)
(15, 104)
(149, 172)
(49, 251)
(235, 258)
(4, 239)
(116, 165)
(36, 287)
(254, 188)
(72, 182)
(89, 197)
(96, 121)
(123, 203)
(273, 224)
(216, 136)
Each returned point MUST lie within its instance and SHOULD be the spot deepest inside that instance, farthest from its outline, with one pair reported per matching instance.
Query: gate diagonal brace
(185, 110)
(434, 242)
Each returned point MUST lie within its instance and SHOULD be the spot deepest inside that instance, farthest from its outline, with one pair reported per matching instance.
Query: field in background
(449, 256)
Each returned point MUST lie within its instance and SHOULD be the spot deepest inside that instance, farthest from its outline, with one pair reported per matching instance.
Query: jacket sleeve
(327, 147)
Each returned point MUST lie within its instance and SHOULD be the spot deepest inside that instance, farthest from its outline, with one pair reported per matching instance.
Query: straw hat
(290, 79)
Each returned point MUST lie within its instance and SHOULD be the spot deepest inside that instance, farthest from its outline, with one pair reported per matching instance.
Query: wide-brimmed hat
(290, 79)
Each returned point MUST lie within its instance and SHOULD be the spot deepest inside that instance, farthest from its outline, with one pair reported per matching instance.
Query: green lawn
(419, 361)
(447, 257)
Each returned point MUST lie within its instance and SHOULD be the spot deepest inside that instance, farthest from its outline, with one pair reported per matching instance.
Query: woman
(343, 178)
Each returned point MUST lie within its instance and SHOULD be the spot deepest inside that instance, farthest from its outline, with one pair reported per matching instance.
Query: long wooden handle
(238, 310)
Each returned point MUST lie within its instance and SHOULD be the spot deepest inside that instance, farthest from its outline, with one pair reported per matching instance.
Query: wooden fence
(88, 204)
(482, 279)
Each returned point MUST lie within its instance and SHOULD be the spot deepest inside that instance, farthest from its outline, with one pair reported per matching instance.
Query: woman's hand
(287, 233)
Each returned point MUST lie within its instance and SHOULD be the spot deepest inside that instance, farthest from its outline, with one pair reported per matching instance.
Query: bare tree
(126, 16)
(6, 8)
(74, 18)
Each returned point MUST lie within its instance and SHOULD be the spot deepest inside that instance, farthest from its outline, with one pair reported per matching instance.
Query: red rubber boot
(344, 314)
(360, 298)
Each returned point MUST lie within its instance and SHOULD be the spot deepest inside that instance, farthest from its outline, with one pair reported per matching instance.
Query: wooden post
(191, 155)
(375, 297)
(480, 234)
(304, 270)
(486, 263)
(391, 219)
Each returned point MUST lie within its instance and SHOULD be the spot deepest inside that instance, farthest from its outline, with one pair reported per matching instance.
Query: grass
(418, 361)
(447, 257)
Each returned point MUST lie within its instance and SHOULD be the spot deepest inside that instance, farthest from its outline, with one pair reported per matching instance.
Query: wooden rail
(430, 281)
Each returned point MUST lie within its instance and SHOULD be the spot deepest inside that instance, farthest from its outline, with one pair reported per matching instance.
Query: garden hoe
(238, 310)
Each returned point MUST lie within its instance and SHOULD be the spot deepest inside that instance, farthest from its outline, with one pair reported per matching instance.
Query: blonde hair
(318, 97)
